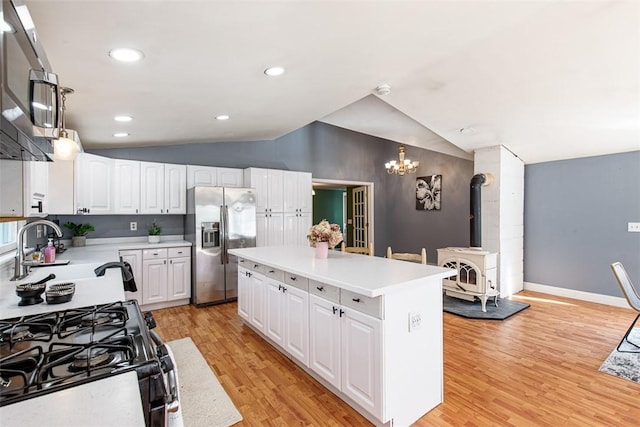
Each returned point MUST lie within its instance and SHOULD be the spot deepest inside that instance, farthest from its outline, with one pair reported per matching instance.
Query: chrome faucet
(22, 269)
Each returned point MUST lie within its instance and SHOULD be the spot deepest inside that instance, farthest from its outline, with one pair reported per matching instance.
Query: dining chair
(357, 249)
(407, 256)
(632, 294)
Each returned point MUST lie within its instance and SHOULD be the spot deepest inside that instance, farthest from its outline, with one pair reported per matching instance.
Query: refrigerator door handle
(225, 219)
(223, 235)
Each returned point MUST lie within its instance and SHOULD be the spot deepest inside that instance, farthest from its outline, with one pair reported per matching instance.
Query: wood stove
(477, 274)
(477, 269)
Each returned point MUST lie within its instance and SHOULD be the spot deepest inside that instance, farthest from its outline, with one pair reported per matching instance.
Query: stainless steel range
(45, 353)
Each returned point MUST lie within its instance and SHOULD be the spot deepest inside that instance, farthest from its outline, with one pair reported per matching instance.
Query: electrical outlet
(415, 321)
(133, 226)
(633, 227)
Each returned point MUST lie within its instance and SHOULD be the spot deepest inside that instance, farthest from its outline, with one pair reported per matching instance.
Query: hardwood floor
(537, 368)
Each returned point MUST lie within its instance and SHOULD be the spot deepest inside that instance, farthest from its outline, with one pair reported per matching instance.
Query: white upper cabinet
(126, 187)
(213, 176)
(201, 175)
(297, 192)
(175, 189)
(11, 195)
(36, 186)
(163, 188)
(151, 188)
(61, 193)
(229, 177)
(269, 188)
(94, 181)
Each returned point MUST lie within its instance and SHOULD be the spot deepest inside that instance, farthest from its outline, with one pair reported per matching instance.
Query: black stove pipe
(475, 219)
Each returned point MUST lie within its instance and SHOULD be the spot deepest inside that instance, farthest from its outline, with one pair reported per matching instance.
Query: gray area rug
(625, 365)
(203, 401)
(473, 310)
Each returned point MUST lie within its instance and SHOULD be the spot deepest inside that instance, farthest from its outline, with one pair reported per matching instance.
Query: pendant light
(401, 166)
(64, 148)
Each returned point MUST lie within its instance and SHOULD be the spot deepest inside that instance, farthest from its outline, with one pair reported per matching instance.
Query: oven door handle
(168, 367)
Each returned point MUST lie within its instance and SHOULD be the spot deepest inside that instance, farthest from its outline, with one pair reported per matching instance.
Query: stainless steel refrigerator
(218, 219)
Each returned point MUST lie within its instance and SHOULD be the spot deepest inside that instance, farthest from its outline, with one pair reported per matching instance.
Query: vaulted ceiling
(547, 79)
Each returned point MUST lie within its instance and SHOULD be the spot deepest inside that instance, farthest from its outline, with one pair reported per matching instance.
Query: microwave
(30, 101)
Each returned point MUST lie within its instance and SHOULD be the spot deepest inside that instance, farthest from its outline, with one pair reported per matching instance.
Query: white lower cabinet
(258, 312)
(165, 276)
(345, 350)
(244, 291)
(134, 258)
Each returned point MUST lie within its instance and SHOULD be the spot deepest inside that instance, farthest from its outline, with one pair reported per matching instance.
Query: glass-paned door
(360, 217)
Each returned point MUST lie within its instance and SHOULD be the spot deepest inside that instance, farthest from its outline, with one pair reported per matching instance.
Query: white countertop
(113, 401)
(366, 275)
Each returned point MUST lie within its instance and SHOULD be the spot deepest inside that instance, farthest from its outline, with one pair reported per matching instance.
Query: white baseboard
(581, 295)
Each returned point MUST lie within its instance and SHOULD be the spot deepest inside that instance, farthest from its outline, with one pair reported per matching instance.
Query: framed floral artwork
(428, 190)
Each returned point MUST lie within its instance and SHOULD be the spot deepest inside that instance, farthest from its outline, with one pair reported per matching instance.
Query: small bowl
(60, 293)
(30, 293)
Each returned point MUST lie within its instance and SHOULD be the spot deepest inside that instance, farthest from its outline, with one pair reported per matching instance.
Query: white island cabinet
(368, 328)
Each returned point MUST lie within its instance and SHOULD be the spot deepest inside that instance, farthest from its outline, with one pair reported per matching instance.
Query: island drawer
(254, 266)
(296, 281)
(368, 305)
(325, 291)
(179, 252)
(154, 253)
(274, 273)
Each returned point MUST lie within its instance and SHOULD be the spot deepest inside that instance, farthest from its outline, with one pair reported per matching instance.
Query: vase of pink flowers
(323, 236)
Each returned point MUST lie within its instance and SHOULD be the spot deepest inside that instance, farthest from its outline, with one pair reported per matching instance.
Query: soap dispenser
(50, 253)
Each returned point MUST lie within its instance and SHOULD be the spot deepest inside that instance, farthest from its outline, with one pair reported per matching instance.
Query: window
(8, 235)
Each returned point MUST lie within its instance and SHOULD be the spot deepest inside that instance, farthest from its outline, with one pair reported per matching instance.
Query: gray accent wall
(575, 222)
(329, 152)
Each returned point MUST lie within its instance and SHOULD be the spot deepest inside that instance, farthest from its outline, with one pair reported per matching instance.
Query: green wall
(327, 204)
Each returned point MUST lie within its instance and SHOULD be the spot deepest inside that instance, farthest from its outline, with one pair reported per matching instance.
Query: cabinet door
(324, 339)
(296, 228)
(11, 196)
(258, 301)
(275, 191)
(201, 175)
(296, 307)
(244, 293)
(229, 177)
(274, 327)
(179, 286)
(36, 188)
(361, 364)
(126, 187)
(275, 229)
(60, 196)
(94, 180)
(262, 226)
(175, 192)
(154, 281)
(151, 188)
(304, 190)
(134, 258)
(259, 179)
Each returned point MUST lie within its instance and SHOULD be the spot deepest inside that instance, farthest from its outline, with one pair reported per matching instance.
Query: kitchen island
(368, 328)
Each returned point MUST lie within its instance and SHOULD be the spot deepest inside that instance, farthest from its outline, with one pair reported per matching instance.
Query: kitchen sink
(63, 273)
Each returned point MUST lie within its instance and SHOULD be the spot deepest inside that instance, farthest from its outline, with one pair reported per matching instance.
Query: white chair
(357, 249)
(633, 298)
(407, 256)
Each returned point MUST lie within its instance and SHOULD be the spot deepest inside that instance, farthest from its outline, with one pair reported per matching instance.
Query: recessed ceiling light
(120, 134)
(467, 130)
(123, 118)
(222, 117)
(274, 71)
(126, 54)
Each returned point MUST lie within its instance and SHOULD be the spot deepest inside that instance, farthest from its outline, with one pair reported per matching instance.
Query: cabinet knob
(341, 312)
(335, 309)
(356, 299)
(272, 271)
(292, 278)
(284, 289)
(320, 288)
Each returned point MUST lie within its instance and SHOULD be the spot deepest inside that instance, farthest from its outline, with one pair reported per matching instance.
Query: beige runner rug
(203, 401)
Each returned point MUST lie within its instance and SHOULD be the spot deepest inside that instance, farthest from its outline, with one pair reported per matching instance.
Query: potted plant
(80, 231)
(154, 233)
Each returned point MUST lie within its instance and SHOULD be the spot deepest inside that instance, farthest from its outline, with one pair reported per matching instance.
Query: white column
(503, 214)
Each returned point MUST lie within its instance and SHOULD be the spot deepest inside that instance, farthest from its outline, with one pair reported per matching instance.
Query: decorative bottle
(50, 253)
